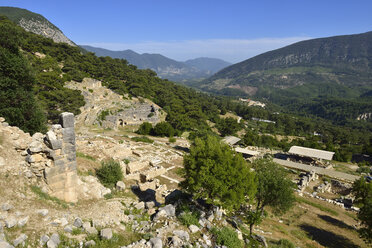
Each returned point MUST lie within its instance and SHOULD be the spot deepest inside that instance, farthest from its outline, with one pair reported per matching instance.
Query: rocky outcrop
(46, 29)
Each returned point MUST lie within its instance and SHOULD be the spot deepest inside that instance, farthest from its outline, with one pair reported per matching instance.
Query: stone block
(66, 120)
(136, 166)
(68, 135)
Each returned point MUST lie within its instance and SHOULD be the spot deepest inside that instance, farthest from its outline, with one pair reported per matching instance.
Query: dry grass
(314, 223)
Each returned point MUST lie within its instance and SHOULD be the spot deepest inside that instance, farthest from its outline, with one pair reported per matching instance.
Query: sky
(232, 30)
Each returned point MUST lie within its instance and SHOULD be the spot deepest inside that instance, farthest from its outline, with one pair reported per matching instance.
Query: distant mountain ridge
(340, 62)
(35, 23)
(166, 67)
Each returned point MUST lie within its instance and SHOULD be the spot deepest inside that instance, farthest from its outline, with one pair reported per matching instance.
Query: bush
(227, 237)
(284, 243)
(109, 173)
(163, 129)
(187, 216)
(145, 128)
(172, 139)
(142, 139)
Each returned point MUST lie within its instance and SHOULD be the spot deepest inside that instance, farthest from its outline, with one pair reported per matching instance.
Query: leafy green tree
(17, 101)
(274, 189)
(363, 195)
(228, 126)
(145, 128)
(216, 173)
(163, 129)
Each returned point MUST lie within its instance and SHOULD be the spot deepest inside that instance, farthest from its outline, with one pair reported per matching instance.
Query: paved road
(321, 171)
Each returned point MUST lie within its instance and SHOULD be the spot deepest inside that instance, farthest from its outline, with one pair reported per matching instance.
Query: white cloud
(232, 50)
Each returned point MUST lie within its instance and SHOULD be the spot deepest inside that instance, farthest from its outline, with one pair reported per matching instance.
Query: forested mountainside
(37, 68)
(35, 23)
(328, 77)
(194, 69)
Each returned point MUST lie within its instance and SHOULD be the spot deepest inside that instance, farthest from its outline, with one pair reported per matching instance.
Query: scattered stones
(20, 240)
(2, 161)
(156, 243)
(140, 205)
(120, 185)
(106, 233)
(42, 212)
(63, 221)
(91, 230)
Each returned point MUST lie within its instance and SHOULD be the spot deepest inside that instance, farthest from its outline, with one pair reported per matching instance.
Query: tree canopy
(216, 173)
(363, 195)
(274, 189)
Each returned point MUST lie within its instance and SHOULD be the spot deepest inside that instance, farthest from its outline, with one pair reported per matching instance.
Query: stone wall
(53, 157)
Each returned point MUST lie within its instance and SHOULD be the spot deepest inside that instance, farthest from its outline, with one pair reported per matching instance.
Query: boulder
(23, 221)
(106, 233)
(68, 229)
(156, 243)
(66, 120)
(169, 209)
(120, 185)
(4, 244)
(42, 212)
(90, 243)
(182, 234)
(193, 229)
(78, 222)
(10, 222)
(43, 240)
(35, 147)
(6, 207)
(20, 240)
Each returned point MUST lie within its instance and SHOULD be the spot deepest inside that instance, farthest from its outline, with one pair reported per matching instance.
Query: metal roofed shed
(231, 140)
(246, 151)
(310, 152)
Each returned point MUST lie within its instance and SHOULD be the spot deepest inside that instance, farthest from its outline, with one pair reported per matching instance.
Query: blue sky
(233, 30)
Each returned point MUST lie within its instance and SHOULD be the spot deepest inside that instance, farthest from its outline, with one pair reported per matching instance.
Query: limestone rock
(2, 161)
(182, 234)
(140, 205)
(156, 243)
(120, 185)
(90, 243)
(42, 212)
(78, 222)
(68, 229)
(43, 240)
(35, 147)
(4, 244)
(10, 222)
(6, 207)
(23, 221)
(193, 229)
(20, 239)
(169, 209)
(53, 241)
(66, 120)
(106, 233)
(91, 230)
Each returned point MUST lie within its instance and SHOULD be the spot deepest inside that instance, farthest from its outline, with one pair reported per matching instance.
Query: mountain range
(198, 68)
(338, 66)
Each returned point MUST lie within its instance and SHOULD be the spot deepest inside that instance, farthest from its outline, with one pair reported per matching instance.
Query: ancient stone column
(61, 176)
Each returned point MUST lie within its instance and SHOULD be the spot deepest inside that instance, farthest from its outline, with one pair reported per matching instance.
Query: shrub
(109, 173)
(145, 128)
(163, 129)
(143, 139)
(284, 243)
(172, 140)
(227, 237)
(187, 216)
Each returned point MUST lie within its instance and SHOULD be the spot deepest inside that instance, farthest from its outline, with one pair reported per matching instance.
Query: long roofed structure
(310, 152)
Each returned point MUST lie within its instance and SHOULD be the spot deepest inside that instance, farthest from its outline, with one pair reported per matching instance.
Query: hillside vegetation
(327, 77)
